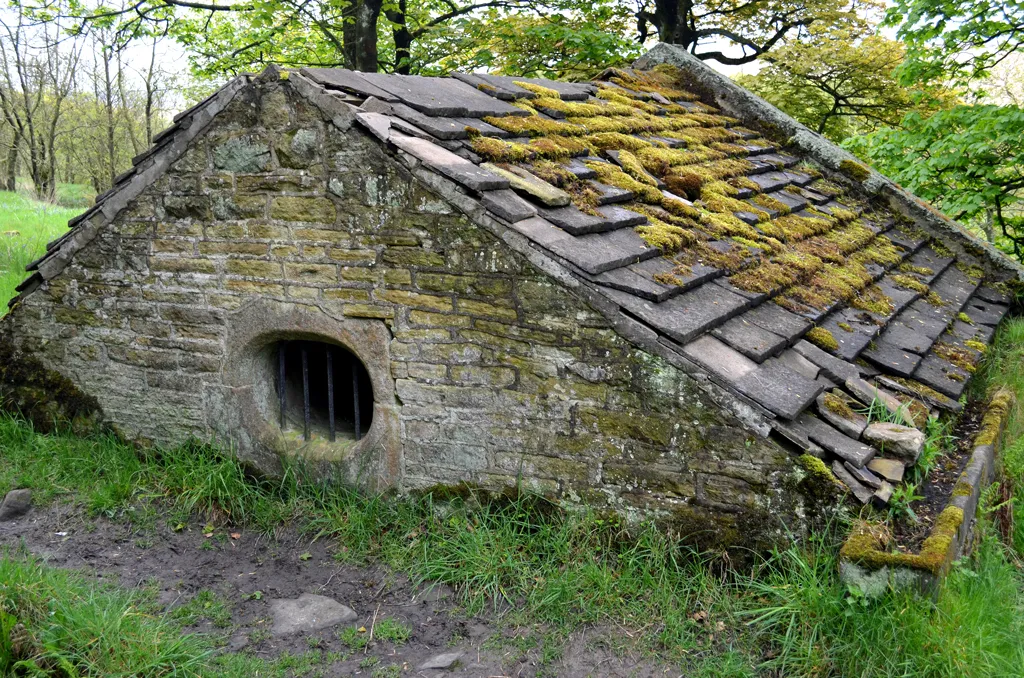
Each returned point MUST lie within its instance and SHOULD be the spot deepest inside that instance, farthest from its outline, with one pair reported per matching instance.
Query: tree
(38, 76)
(841, 84)
(968, 160)
(957, 39)
(753, 26)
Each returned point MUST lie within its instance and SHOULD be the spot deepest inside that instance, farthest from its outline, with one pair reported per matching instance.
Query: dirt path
(241, 576)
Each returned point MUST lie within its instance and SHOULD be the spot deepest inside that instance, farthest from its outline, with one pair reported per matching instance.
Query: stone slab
(507, 205)
(599, 252)
(837, 443)
(441, 662)
(901, 336)
(985, 312)
(688, 315)
(524, 182)
(569, 91)
(749, 339)
(779, 389)
(935, 373)
(863, 475)
(880, 499)
(851, 427)
(890, 469)
(540, 231)
(867, 393)
(718, 358)
(863, 494)
(835, 369)
(440, 97)
(802, 365)
(991, 294)
(307, 613)
(608, 195)
(347, 81)
(444, 161)
(895, 440)
(638, 279)
(891, 358)
(572, 220)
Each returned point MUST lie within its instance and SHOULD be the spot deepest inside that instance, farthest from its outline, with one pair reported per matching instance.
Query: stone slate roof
(779, 278)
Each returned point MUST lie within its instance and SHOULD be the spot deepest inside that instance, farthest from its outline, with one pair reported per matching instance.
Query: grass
(26, 226)
(789, 615)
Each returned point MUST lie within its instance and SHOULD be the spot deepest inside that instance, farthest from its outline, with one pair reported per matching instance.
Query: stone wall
(277, 224)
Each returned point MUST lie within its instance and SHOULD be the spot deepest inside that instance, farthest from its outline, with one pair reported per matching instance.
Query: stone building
(652, 292)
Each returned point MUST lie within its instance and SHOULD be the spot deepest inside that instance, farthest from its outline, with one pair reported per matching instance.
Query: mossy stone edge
(866, 564)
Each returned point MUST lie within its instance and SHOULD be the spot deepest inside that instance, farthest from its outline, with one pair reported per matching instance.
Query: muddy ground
(181, 565)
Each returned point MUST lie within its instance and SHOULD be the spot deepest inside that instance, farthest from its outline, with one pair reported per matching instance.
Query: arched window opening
(323, 391)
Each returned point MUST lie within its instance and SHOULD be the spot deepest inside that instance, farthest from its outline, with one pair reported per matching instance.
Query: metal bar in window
(330, 391)
(305, 393)
(280, 380)
(355, 396)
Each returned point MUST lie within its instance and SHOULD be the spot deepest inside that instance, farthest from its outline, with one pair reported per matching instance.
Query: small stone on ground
(308, 612)
(890, 469)
(16, 504)
(899, 441)
(441, 661)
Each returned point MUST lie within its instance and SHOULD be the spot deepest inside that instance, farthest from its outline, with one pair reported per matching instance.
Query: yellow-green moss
(873, 300)
(976, 272)
(999, 406)
(910, 283)
(845, 327)
(978, 346)
(864, 547)
(854, 170)
(498, 150)
(964, 318)
(631, 164)
(962, 489)
(823, 338)
(838, 406)
(940, 249)
(534, 126)
(616, 140)
(920, 270)
(955, 355)
(537, 89)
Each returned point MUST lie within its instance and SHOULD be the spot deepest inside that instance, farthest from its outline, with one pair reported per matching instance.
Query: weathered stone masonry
(277, 224)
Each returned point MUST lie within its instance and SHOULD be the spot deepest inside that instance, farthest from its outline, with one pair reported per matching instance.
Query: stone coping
(867, 564)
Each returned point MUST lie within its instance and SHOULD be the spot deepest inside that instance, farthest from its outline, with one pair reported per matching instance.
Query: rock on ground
(441, 661)
(15, 504)
(308, 612)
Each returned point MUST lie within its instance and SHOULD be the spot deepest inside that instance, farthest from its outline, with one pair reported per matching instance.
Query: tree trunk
(11, 180)
(671, 19)
(360, 35)
(403, 39)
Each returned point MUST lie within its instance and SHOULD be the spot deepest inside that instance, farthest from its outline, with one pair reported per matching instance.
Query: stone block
(312, 210)
(311, 273)
(254, 269)
(415, 299)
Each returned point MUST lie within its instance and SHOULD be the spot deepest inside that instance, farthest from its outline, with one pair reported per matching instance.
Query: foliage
(839, 83)
(957, 39)
(968, 160)
(754, 27)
